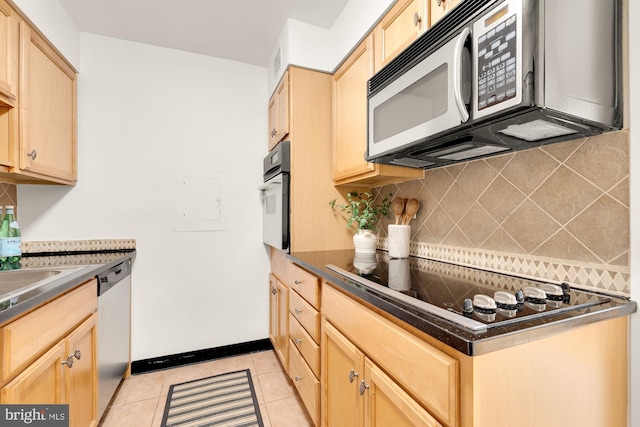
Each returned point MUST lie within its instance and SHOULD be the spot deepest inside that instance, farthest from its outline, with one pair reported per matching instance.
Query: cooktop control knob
(484, 302)
(553, 292)
(534, 293)
(519, 296)
(467, 306)
(505, 299)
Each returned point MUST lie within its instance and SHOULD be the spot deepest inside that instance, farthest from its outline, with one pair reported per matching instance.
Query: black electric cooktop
(472, 298)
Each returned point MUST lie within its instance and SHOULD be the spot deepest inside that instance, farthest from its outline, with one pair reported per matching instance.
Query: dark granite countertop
(464, 340)
(77, 269)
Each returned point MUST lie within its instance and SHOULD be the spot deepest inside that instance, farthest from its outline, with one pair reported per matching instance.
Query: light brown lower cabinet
(278, 319)
(60, 364)
(378, 371)
(357, 392)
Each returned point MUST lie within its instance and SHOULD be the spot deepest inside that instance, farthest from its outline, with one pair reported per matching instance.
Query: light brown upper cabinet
(400, 27)
(439, 8)
(279, 112)
(47, 111)
(8, 81)
(350, 124)
(38, 105)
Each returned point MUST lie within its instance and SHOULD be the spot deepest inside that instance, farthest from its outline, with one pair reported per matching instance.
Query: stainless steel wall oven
(275, 197)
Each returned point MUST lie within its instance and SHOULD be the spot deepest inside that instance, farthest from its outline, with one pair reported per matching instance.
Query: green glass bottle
(11, 247)
(4, 233)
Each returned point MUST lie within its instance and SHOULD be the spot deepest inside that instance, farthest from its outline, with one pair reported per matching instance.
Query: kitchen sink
(14, 283)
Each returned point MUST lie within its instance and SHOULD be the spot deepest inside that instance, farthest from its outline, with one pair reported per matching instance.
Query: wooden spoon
(397, 206)
(410, 210)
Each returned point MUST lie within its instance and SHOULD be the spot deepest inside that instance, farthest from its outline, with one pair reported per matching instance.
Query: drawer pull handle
(273, 132)
(298, 378)
(352, 375)
(77, 354)
(298, 311)
(298, 341)
(297, 282)
(363, 387)
(69, 361)
(273, 291)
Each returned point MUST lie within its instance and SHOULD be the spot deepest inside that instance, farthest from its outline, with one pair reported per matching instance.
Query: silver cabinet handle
(297, 282)
(297, 311)
(363, 387)
(69, 361)
(298, 341)
(33, 154)
(416, 19)
(440, 2)
(352, 375)
(273, 132)
(273, 290)
(77, 354)
(298, 378)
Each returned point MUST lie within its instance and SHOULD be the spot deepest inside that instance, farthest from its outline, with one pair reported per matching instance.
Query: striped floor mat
(227, 400)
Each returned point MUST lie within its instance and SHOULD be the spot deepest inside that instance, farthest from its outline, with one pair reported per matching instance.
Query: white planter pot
(365, 241)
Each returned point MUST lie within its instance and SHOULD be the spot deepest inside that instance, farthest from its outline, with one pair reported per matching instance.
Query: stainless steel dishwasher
(114, 314)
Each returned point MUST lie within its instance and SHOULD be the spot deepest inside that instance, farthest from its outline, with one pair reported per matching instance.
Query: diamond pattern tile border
(597, 277)
(78, 245)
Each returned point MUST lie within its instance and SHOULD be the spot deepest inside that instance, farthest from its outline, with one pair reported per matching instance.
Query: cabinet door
(439, 8)
(350, 112)
(47, 110)
(282, 340)
(279, 112)
(42, 382)
(273, 310)
(386, 404)
(8, 54)
(342, 366)
(398, 29)
(82, 384)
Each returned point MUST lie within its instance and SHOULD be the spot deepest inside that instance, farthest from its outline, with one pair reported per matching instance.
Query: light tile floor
(140, 400)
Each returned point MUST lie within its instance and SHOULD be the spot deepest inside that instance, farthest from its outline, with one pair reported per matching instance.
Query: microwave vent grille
(537, 130)
(429, 42)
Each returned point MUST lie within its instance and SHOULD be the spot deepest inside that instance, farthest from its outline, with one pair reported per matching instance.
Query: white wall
(143, 112)
(324, 49)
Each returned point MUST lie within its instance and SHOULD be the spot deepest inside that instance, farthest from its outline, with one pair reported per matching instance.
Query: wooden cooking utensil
(397, 206)
(410, 210)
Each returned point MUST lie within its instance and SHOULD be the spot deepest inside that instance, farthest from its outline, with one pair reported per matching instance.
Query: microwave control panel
(496, 62)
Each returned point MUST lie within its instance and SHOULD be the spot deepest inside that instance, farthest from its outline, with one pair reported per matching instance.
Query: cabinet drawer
(428, 374)
(304, 313)
(307, 347)
(306, 383)
(31, 335)
(305, 284)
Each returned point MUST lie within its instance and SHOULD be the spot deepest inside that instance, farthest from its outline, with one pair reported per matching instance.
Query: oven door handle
(276, 180)
(457, 75)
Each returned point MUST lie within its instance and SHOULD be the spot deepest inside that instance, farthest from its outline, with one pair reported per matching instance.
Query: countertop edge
(61, 286)
(452, 335)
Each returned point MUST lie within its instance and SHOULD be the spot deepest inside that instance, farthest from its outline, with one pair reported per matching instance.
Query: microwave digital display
(496, 16)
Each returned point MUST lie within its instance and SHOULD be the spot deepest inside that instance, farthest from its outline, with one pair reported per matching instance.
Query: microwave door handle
(457, 75)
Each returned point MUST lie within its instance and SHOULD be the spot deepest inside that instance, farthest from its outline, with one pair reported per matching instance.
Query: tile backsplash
(558, 212)
(8, 195)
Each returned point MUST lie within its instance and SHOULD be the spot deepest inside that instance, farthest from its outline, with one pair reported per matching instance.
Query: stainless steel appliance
(114, 313)
(275, 197)
(495, 76)
(473, 299)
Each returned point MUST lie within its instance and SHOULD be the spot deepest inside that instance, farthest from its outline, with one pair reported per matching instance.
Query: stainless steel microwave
(495, 76)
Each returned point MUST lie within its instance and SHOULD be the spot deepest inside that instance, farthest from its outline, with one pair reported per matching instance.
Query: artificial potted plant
(364, 213)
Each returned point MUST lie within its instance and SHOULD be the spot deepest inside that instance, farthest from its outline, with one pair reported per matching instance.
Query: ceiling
(239, 30)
